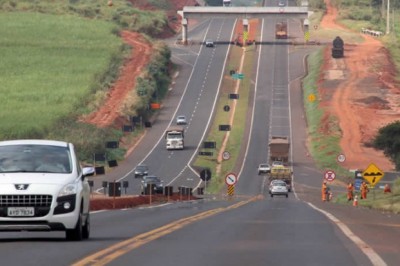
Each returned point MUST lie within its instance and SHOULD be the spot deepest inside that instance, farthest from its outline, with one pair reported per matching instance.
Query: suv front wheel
(76, 234)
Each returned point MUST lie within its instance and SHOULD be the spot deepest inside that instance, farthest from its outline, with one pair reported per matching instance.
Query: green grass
(47, 67)
(377, 199)
(324, 148)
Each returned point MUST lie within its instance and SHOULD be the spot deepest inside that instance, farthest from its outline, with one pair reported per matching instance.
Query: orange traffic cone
(355, 201)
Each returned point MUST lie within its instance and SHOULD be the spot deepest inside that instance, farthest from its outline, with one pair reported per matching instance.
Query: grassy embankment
(326, 157)
(60, 58)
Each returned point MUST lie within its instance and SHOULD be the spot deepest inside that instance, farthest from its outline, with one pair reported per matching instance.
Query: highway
(249, 229)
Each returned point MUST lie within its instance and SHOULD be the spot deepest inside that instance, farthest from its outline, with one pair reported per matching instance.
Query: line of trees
(388, 140)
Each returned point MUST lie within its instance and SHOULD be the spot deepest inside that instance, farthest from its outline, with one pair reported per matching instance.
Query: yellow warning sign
(231, 190)
(311, 97)
(307, 36)
(373, 174)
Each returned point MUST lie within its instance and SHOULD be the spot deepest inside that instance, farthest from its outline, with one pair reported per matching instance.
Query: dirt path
(109, 112)
(365, 99)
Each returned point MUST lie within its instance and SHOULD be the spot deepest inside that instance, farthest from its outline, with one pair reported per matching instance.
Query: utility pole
(387, 17)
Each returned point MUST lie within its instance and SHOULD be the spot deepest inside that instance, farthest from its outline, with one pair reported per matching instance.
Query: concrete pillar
(184, 31)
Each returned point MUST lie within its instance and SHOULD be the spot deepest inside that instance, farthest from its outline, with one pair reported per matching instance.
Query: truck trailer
(279, 148)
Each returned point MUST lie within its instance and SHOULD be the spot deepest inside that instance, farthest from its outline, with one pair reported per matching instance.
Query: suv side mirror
(88, 171)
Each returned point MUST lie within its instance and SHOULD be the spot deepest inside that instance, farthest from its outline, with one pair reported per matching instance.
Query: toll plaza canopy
(198, 12)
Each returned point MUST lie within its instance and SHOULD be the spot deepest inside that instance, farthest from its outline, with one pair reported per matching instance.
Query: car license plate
(21, 211)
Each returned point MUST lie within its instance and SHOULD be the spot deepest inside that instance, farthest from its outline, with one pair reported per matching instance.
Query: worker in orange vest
(364, 190)
(324, 191)
(387, 189)
(350, 191)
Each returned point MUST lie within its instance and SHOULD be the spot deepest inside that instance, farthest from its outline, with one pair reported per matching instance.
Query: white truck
(174, 137)
(226, 2)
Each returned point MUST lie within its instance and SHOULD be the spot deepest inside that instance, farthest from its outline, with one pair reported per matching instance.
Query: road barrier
(375, 33)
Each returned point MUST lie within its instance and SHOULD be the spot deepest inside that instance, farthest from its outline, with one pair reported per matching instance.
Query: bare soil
(361, 92)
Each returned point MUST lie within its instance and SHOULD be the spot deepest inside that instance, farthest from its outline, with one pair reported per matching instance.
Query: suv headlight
(68, 189)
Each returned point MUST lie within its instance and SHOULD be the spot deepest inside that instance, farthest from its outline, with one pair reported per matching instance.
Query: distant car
(158, 184)
(278, 188)
(264, 168)
(209, 43)
(181, 120)
(281, 3)
(141, 170)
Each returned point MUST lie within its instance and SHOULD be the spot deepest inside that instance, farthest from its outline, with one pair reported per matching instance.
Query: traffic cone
(355, 201)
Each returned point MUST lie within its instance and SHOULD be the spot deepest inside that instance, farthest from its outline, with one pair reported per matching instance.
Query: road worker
(350, 191)
(387, 189)
(364, 190)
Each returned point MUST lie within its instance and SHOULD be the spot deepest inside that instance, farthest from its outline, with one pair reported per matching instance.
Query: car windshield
(151, 179)
(141, 168)
(278, 183)
(264, 165)
(35, 159)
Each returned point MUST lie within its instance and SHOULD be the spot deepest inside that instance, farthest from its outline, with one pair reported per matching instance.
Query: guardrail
(372, 32)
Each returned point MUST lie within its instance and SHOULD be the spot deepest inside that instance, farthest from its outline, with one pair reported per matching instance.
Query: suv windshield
(35, 158)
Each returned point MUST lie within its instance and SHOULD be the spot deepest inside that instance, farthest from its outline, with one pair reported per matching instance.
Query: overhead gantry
(198, 12)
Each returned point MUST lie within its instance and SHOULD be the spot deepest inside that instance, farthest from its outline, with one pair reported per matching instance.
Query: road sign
(205, 174)
(357, 184)
(230, 179)
(226, 155)
(341, 158)
(206, 153)
(231, 190)
(224, 127)
(372, 174)
(307, 36)
(311, 97)
(238, 76)
(329, 175)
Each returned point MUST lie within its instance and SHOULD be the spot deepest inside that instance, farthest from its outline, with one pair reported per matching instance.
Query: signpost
(330, 175)
(230, 181)
(238, 76)
(341, 158)
(373, 174)
(205, 175)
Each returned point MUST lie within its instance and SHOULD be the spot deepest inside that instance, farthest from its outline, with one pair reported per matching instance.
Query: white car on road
(181, 120)
(264, 168)
(278, 187)
(43, 188)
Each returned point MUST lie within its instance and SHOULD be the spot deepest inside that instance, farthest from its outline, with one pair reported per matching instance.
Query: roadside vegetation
(377, 199)
(60, 58)
(354, 15)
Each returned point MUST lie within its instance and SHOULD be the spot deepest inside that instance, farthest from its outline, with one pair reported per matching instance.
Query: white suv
(43, 188)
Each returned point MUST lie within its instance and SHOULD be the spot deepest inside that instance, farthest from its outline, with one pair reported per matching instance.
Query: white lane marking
(364, 247)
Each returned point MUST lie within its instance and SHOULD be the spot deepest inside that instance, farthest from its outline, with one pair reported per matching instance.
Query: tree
(388, 140)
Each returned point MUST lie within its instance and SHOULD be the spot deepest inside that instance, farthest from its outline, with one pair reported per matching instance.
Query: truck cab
(174, 137)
